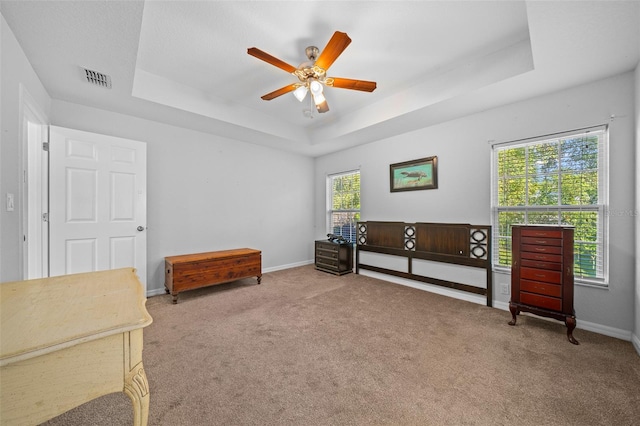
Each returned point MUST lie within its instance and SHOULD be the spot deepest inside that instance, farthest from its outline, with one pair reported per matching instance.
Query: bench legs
(175, 294)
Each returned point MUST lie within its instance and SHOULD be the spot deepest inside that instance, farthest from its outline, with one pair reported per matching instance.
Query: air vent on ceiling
(97, 78)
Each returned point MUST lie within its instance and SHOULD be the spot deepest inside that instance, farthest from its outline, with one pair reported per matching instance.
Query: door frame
(33, 187)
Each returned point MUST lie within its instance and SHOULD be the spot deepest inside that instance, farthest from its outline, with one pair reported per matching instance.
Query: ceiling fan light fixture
(312, 75)
(315, 87)
(318, 98)
(322, 107)
(300, 93)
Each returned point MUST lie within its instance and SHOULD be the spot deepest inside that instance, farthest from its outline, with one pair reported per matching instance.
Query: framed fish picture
(414, 175)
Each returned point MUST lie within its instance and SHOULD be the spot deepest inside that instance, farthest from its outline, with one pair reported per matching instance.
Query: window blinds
(558, 179)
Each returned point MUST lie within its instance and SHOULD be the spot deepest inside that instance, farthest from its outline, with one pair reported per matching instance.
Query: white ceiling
(185, 62)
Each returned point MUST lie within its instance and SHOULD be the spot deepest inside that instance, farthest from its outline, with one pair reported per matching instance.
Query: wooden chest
(542, 273)
(190, 271)
(334, 257)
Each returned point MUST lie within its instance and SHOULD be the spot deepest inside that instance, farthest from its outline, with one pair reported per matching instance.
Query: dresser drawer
(542, 249)
(541, 275)
(538, 287)
(541, 241)
(552, 266)
(542, 257)
(544, 233)
(540, 301)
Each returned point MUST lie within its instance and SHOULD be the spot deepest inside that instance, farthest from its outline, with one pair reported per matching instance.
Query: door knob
(140, 228)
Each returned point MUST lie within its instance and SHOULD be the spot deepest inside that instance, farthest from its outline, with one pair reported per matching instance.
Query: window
(555, 180)
(344, 204)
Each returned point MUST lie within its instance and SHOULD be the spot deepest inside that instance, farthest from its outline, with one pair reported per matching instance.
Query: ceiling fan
(312, 75)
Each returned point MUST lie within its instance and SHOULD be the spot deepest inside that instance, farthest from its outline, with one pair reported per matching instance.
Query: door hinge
(45, 217)
(45, 146)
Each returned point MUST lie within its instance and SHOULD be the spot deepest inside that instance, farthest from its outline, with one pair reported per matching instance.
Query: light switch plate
(10, 203)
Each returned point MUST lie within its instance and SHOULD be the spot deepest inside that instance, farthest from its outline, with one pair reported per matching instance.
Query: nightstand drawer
(327, 263)
(327, 247)
(541, 275)
(547, 289)
(332, 254)
(540, 301)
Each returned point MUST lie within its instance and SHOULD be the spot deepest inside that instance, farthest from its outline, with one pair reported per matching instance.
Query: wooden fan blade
(254, 51)
(347, 83)
(322, 106)
(279, 92)
(339, 41)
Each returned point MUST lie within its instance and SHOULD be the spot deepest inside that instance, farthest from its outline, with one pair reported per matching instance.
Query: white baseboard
(501, 305)
(635, 340)
(287, 266)
(604, 329)
(590, 326)
(155, 292)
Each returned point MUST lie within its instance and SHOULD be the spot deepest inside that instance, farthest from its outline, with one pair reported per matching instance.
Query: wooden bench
(190, 271)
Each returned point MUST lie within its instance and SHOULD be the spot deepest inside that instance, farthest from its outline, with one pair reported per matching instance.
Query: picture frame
(414, 175)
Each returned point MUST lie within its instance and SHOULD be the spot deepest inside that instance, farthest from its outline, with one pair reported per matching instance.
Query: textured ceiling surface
(186, 63)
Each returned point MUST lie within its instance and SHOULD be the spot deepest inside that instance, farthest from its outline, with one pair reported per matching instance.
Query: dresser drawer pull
(540, 249)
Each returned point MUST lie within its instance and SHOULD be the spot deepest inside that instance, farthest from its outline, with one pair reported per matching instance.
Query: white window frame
(602, 207)
(330, 211)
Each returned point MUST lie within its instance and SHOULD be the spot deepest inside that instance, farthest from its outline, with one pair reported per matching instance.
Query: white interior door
(97, 203)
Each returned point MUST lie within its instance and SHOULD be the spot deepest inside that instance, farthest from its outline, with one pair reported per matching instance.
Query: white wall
(15, 70)
(210, 193)
(464, 167)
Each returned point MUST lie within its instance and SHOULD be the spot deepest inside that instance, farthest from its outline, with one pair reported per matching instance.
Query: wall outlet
(504, 288)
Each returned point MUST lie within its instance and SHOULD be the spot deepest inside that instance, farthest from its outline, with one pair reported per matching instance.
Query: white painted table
(70, 339)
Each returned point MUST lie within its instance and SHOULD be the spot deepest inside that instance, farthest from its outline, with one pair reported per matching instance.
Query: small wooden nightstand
(333, 257)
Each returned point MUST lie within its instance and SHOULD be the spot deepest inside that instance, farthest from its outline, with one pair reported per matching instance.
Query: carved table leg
(514, 311)
(571, 325)
(259, 279)
(175, 298)
(137, 388)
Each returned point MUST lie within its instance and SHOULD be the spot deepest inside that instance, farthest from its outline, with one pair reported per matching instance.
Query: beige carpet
(309, 348)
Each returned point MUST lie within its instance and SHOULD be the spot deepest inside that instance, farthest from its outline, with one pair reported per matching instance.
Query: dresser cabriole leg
(571, 325)
(514, 311)
(137, 389)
